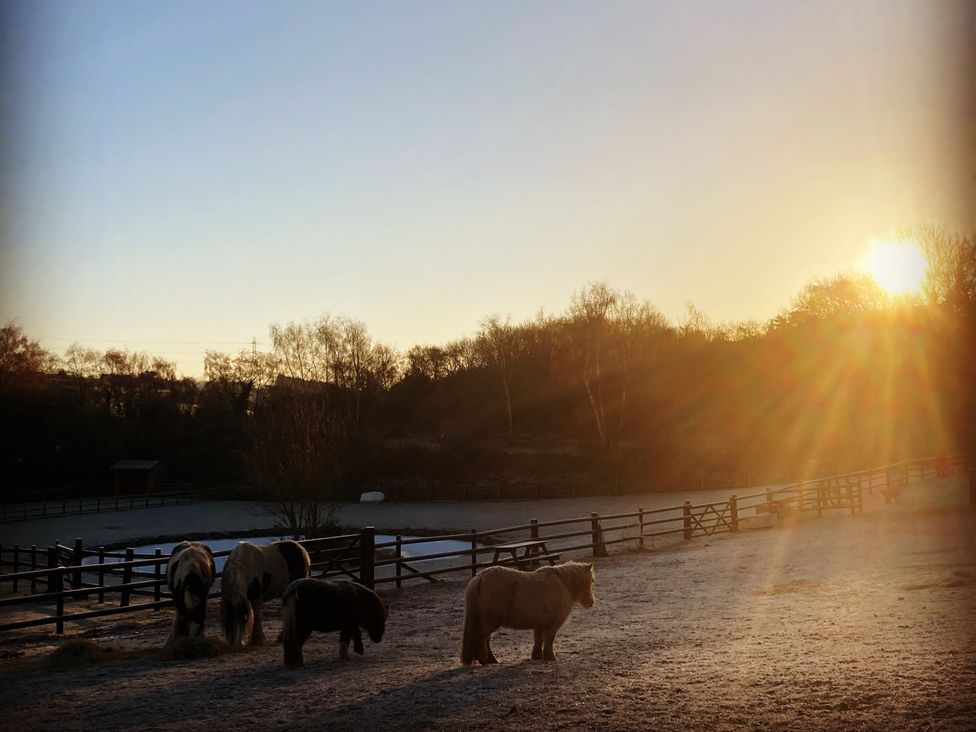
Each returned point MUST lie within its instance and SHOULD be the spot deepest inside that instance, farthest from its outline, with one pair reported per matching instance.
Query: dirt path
(845, 622)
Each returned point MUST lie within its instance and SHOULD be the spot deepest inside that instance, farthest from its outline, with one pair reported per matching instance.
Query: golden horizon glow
(899, 267)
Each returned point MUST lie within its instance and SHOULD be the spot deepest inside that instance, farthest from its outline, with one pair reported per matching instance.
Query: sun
(898, 266)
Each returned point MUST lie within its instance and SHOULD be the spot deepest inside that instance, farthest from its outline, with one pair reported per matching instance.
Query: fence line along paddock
(81, 506)
(58, 573)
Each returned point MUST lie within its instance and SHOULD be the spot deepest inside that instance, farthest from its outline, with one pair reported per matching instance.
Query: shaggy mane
(577, 576)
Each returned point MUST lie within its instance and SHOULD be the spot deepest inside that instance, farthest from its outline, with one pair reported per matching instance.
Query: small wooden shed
(136, 476)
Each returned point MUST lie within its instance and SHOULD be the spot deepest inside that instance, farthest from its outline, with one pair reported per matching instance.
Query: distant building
(137, 476)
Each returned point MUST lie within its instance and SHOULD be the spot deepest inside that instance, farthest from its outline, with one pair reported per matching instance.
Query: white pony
(255, 573)
(541, 600)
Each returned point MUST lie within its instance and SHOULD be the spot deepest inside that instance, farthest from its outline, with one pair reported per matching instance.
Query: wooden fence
(97, 504)
(58, 574)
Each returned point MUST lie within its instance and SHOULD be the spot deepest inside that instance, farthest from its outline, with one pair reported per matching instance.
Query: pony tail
(289, 631)
(470, 638)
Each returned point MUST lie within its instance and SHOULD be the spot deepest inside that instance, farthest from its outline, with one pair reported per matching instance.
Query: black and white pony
(253, 574)
(190, 574)
(328, 606)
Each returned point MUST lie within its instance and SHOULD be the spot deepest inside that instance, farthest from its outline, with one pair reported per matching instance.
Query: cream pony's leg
(489, 657)
(537, 646)
(549, 638)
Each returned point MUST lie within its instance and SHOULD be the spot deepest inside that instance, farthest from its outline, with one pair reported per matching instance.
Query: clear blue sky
(180, 175)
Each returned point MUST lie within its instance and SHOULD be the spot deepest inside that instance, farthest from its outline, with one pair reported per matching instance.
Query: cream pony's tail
(470, 638)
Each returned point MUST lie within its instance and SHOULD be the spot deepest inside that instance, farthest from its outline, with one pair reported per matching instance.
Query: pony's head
(587, 577)
(375, 622)
(578, 577)
(237, 617)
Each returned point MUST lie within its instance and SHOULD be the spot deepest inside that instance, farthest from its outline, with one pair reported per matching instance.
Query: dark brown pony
(328, 606)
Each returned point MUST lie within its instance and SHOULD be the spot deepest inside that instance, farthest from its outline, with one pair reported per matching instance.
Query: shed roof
(136, 465)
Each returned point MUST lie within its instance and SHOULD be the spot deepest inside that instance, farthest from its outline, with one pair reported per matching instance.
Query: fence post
(850, 497)
(534, 528)
(54, 584)
(52, 562)
(33, 567)
(398, 555)
(101, 574)
(76, 561)
(734, 511)
(860, 496)
(820, 491)
(640, 528)
(803, 497)
(686, 510)
(972, 488)
(367, 547)
(474, 552)
(16, 562)
(127, 577)
(59, 607)
(158, 575)
(599, 550)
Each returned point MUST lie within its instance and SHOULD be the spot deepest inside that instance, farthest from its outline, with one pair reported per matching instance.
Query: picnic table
(523, 554)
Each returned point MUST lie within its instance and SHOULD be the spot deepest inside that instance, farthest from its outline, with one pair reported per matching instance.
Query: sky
(178, 176)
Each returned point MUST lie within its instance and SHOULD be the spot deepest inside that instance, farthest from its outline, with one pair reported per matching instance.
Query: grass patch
(189, 648)
(78, 652)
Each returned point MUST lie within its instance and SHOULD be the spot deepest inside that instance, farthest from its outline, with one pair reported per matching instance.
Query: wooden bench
(524, 554)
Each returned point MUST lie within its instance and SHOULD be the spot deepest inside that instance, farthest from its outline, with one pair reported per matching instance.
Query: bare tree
(81, 361)
(638, 331)
(589, 329)
(22, 361)
(499, 344)
(292, 460)
(951, 277)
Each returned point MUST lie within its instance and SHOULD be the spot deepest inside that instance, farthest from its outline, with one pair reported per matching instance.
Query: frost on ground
(845, 622)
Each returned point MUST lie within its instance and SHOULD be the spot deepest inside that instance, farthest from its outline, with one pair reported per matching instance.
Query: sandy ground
(865, 622)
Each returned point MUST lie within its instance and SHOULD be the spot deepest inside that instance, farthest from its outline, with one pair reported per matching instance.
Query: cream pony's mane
(577, 576)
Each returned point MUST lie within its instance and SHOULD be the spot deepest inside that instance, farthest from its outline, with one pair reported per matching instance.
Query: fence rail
(79, 506)
(59, 573)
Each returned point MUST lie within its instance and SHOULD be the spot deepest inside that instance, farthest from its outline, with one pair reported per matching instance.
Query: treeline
(608, 394)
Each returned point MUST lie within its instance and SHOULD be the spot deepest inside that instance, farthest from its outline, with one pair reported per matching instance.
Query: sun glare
(898, 266)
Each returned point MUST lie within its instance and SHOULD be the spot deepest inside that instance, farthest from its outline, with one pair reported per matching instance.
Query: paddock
(843, 622)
